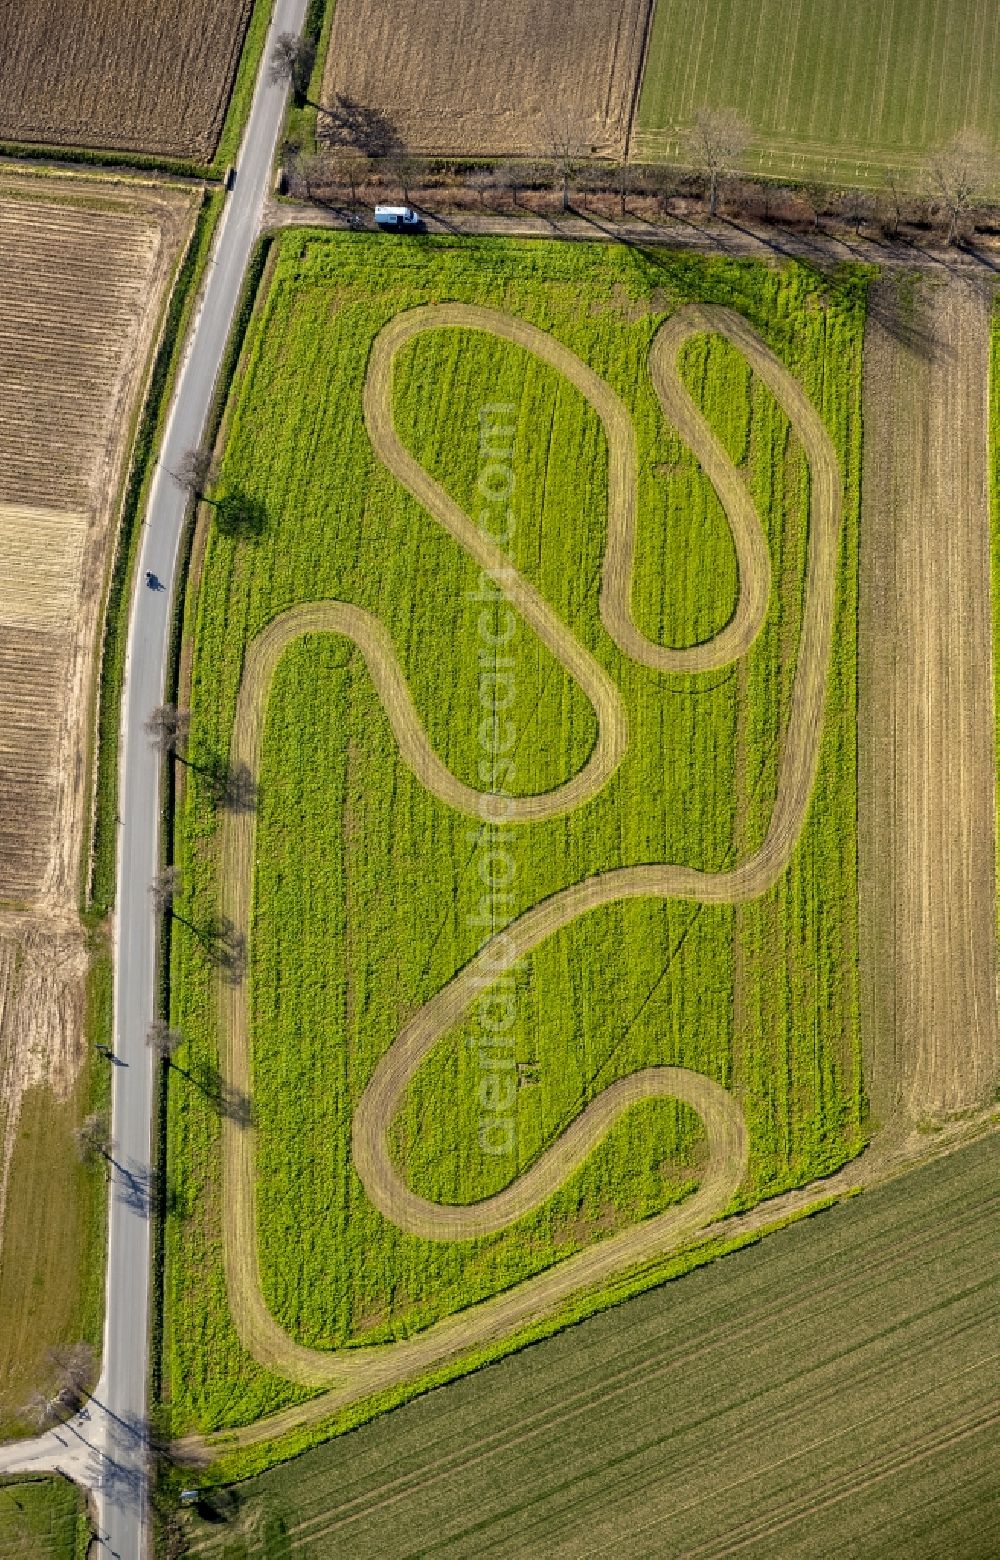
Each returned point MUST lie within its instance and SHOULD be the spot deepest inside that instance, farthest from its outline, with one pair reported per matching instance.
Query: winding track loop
(366, 1369)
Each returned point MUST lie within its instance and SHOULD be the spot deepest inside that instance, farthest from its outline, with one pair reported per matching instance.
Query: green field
(366, 885)
(42, 1519)
(834, 92)
(864, 1338)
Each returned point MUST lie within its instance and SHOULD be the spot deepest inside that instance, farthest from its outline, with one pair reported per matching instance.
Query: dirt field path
(353, 1373)
(927, 783)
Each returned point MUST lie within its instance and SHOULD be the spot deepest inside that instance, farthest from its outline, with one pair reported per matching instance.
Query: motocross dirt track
(351, 1375)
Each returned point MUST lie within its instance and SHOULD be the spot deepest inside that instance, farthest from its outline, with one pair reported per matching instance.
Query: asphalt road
(107, 1447)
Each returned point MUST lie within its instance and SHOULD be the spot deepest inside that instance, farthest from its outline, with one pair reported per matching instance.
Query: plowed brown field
(481, 78)
(138, 77)
(927, 786)
(85, 269)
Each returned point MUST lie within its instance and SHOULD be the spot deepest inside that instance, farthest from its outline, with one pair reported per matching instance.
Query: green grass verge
(300, 126)
(52, 1275)
(241, 98)
(43, 1519)
(995, 535)
(867, 1335)
(147, 441)
(835, 93)
(364, 883)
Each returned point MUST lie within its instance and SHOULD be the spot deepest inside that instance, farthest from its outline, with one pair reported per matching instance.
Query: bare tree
(624, 182)
(162, 1040)
(165, 888)
(567, 148)
(168, 726)
(292, 60)
(307, 172)
(195, 471)
(350, 166)
(960, 174)
(76, 1368)
(403, 167)
(892, 194)
(92, 1137)
(508, 177)
(716, 141)
(482, 180)
(40, 1409)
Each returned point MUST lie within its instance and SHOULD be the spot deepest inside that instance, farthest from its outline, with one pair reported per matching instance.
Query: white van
(398, 219)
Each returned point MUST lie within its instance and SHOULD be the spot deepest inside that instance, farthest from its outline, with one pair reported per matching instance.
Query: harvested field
(134, 76)
(928, 777)
(492, 79)
(85, 270)
(865, 1339)
(838, 93)
(34, 668)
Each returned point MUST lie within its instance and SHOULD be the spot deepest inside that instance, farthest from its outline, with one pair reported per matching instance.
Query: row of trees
(359, 141)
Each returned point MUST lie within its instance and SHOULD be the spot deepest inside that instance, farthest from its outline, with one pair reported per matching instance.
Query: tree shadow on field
(230, 787)
(240, 515)
(230, 1103)
(222, 942)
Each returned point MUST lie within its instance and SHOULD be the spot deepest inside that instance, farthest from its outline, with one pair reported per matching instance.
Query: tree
(716, 141)
(162, 1040)
(893, 197)
(92, 1137)
(403, 167)
(292, 60)
(508, 177)
(482, 180)
(351, 166)
(195, 471)
(960, 174)
(165, 888)
(307, 172)
(168, 726)
(624, 182)
(76, 1368)
(566, 148)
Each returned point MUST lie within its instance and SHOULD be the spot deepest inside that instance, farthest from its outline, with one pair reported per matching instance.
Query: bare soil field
(85, 269)
(503, 79)
(132, 76)
(927, 784)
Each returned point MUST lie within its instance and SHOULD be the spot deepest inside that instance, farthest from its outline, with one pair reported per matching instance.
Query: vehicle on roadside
(398, 219)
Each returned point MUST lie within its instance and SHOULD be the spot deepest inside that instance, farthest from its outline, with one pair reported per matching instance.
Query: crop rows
(367, 890)
(33, 671)
(76, 288)
(867, 1334)
(839, 92)
(147, 79)
(490, 76)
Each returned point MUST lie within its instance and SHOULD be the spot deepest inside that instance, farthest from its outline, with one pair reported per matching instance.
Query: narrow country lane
(106, 1448)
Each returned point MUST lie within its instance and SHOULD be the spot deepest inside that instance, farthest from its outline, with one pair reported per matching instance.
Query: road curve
(121, 1398)
(358, 1371)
